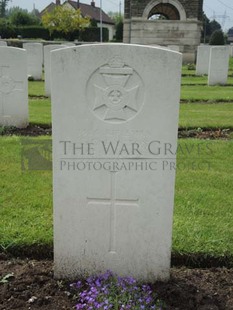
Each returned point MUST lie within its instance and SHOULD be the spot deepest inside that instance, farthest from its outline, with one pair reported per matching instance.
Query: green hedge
(33, 32)
(91, 34)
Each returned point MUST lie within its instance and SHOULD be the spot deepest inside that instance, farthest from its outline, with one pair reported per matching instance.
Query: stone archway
(164, 11)
(176, 24)
(170, 9)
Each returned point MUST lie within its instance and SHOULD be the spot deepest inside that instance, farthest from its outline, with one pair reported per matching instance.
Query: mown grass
(203, 80)
(40, 111)
(25, 199)
(36, 88)
(195, 115)
(203, 220)
(210, 93)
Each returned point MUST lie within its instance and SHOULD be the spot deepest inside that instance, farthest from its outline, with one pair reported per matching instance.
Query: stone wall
(185, 33)
(193, 8)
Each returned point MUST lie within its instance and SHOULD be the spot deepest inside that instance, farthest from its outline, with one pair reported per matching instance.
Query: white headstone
(203, 58)
(3, 43)
(34, 59)
(47, 69)
(175, 48)
(13, 87)
(115, 122)
(231, 51)
(218, 65)
(69, 44)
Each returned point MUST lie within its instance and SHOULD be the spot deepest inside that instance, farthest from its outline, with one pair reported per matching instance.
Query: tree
(214, 25)
(64, 20)
(209, 27)
(20, 17)
(3, 6)
(118, 20)
(217, 38)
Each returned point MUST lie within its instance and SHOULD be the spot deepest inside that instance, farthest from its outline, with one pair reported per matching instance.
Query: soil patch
(30, 285)
(31, 130)
(46, 130)
(205, 133)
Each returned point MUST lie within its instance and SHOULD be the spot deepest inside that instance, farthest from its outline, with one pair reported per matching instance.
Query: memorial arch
(172, 23)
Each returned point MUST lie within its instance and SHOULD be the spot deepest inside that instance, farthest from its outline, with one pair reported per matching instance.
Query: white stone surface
(218, 65)
(13, 87)
(185, 33)
(175, 48)
(203, 58)
(3, 43)
(114, 121)
(231, 50)
(47, 69)
(69, 44)
(34, 59)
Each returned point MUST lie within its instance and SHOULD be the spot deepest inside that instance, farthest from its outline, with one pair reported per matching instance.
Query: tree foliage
(217, 38)
(64, 20)
(209, 27)
(20, 17)
(3, 6)
(118, 20)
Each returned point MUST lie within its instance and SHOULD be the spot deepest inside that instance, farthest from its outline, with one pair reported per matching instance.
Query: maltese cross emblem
(117, 92)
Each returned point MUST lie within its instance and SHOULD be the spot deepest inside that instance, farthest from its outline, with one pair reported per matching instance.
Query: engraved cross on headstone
(113, 202)
(7, 85)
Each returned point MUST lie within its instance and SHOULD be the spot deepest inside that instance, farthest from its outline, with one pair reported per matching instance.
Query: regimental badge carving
(115, 92)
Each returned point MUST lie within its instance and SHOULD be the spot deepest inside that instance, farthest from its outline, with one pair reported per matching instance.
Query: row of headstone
(214, 61)
(15, 66)
(35, 57)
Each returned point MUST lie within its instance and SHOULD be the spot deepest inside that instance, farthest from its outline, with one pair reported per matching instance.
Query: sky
(221, 10)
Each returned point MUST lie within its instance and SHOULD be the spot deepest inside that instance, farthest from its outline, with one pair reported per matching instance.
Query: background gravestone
(34, 59)
(218, 65)
(113, 118)
(203, 58)
(13, 87)
(3, 43)
(47, 69)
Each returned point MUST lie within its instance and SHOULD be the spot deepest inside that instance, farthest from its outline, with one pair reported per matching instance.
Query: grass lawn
(211, 93)
(40, 111)
(36, 88)
(203, 219)
(193, 80)
(194, 115)
(25, 199)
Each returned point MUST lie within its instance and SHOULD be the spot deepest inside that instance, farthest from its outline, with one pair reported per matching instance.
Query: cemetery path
(29, 284)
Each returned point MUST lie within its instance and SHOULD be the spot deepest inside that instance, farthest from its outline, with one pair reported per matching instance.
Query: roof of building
(49, 8)
(86, 9)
